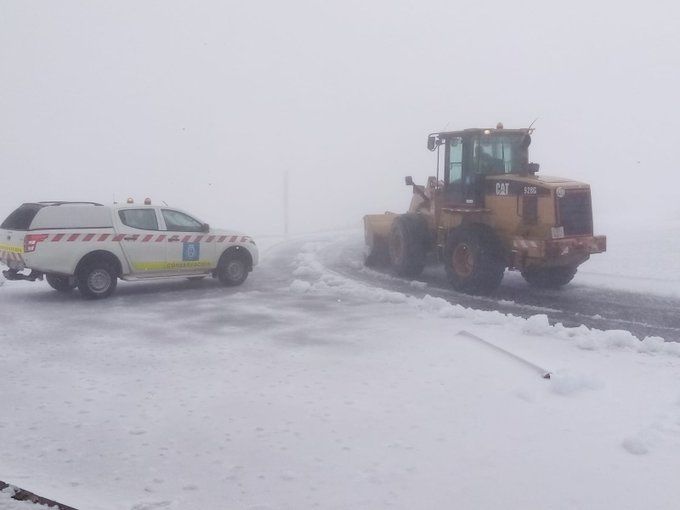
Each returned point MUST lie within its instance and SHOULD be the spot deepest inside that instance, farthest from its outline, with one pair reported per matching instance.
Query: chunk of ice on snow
(537, 325)
(300, 286)
(635, 445)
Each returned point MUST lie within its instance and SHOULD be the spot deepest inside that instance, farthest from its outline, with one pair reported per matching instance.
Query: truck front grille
(575, 213)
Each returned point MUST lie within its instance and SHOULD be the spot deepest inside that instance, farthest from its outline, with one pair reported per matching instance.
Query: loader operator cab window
(455, 162)
(499, 154)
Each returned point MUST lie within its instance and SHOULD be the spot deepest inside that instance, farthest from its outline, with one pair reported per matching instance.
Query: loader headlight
(560, 192)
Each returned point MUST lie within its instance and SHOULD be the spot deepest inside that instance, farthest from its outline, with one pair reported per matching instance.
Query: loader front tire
(407, 245)
(473, 259)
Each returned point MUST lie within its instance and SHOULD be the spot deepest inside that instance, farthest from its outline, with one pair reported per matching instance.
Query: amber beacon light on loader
(488, 212)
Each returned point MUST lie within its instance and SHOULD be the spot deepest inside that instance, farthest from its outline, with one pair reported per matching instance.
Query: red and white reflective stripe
(11, 257)
(144, 238)
(523, 243)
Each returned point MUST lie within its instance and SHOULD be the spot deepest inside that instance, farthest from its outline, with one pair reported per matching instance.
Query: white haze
(205, 104)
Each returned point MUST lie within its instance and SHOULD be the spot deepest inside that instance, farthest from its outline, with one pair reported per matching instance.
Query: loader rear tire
(549, 277)
(408, 245)
(474, 261)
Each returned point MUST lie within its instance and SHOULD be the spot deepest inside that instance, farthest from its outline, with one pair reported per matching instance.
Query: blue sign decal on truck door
(190, 251)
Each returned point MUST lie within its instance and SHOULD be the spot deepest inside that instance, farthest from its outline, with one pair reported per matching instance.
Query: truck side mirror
(431, 142)
(408, 180)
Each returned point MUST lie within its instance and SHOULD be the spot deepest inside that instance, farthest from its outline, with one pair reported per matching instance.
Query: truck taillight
(32, 240)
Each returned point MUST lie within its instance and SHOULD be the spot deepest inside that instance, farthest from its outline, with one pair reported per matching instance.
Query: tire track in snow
(642, 314)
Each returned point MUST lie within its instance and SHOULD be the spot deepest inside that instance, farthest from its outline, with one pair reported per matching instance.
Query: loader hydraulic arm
(416, 189)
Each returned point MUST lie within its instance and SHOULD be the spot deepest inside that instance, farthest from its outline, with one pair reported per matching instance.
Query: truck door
(190, 249)
(139, 236)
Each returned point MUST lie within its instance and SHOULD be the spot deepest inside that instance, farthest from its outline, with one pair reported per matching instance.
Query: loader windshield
(496, 154)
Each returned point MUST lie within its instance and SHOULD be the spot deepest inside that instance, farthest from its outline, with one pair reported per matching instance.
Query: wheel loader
(488, 212)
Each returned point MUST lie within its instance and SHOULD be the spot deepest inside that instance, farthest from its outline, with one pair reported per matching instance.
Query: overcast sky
(205, 104)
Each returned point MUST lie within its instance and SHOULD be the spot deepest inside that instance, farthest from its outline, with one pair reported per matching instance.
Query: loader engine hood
(509, 184)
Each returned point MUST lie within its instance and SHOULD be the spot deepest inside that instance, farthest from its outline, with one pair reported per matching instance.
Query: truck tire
(97, 279)
(407, 245)
(549, 277)
(474, 260)
(61, 283)
(232, 269)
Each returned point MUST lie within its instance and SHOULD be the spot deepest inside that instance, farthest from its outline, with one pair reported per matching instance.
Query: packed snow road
(643, 314)
(306, 388)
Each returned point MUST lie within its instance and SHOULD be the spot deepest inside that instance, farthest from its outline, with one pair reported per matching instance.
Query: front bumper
(556, 252)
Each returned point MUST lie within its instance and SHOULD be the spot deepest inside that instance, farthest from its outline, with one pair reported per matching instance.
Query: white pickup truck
(90, 246)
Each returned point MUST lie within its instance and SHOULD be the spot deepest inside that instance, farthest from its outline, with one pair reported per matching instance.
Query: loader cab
(472, 154)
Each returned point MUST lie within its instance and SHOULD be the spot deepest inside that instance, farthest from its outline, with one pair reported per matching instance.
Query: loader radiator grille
(575, 213)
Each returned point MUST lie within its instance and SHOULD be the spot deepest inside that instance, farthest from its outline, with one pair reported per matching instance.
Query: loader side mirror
(431, 142)
(408, 180)
(532, 168)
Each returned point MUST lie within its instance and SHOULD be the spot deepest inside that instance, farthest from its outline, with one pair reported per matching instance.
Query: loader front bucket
(376, 234)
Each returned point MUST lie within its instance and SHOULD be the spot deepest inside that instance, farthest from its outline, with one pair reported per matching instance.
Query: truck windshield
(499, 154)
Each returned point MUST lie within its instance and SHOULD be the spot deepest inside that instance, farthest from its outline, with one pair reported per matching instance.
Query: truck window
(144, 219)
(22, 217)
(180, 222)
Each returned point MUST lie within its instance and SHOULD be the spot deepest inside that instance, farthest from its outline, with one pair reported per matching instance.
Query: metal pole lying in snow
(545, 374)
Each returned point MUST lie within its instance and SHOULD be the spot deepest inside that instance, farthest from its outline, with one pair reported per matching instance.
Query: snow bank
(314, 390)
(321, 279)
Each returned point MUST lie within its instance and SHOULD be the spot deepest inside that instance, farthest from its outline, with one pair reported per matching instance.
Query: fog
(205, 105)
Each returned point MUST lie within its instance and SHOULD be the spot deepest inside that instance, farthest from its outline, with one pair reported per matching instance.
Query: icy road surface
(586, 300)
(309, 387)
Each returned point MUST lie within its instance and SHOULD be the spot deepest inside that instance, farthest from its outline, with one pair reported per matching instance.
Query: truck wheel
(407, 245)
(97, 280)
(549, 277)
(61, 283)
(474, 261)
(232, 269)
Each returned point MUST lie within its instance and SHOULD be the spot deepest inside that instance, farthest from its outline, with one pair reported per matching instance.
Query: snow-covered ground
(306, 388)
(640, 257)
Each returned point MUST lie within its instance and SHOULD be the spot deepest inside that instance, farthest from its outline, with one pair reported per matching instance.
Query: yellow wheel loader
(488, 211)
